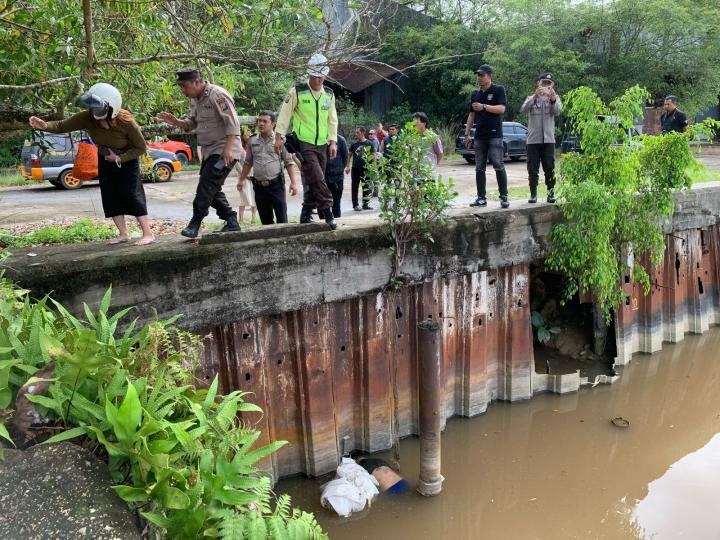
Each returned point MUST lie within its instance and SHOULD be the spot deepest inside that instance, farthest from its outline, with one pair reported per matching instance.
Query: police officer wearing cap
(213, 117)
(310, 109)
(268, 180)
(541, 108)
(487, 106)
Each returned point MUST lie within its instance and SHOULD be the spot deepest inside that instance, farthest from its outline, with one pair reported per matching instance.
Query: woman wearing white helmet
(120, 144)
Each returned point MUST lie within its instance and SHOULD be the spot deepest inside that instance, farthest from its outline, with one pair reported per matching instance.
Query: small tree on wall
(615, 195)
(412, 197)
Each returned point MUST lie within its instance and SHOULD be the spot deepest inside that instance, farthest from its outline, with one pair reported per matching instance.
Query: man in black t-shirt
(357, 170)
(673, 119)
(487, 106)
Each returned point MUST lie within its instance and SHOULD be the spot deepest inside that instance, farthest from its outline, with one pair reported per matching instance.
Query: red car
(181, 150)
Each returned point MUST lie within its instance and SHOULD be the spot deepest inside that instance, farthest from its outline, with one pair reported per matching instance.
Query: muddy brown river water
(556, 467)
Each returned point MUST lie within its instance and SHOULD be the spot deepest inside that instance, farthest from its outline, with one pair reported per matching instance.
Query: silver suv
(51, 158)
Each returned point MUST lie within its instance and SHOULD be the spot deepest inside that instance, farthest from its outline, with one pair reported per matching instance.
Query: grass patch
(83, 230)
(13, 179)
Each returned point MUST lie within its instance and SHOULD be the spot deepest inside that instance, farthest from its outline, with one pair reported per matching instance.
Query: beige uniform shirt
(213, 117)
(262, 158)
(288, 108)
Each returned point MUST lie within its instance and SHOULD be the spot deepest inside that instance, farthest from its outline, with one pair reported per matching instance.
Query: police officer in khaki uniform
(310, 109)
(213, 117)
(268, 180)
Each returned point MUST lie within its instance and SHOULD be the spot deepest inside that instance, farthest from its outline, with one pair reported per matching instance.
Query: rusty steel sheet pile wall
(684, 297)
(330, 378)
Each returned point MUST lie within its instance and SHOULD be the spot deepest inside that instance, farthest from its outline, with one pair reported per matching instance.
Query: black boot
(551, 196)
(306, 215)
(193, 228)
(231, 224)
(327, 215)
(504, 203)
(533, 194)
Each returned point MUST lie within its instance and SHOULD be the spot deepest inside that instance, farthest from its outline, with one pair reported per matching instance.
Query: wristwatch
(484, 106)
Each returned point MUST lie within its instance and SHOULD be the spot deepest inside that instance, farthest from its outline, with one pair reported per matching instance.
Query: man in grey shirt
(542, 107)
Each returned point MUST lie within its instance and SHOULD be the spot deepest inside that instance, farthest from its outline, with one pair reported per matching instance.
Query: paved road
(173, 200)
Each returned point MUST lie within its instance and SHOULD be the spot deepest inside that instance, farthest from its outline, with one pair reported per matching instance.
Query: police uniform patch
(489, 97)
(222, 103)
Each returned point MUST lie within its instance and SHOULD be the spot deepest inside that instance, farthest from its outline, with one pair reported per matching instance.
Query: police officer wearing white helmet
(120, 144)
(309, 113)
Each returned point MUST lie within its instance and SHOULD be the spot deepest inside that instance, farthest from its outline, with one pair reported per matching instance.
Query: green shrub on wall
(616, 195)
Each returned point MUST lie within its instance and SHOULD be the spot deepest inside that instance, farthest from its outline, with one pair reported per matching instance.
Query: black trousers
(541, 153)
(336, 188)
(489, 149)
(270, 202)
(358, 177)
(209, 190)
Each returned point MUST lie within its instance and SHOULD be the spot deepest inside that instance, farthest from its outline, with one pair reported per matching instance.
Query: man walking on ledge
(213, 117)
(310, 109)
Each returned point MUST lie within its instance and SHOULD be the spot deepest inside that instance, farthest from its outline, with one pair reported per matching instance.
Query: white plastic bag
(353, 488)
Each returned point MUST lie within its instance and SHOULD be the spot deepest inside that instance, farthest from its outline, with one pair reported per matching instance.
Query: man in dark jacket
(673, 119)
(335, 173)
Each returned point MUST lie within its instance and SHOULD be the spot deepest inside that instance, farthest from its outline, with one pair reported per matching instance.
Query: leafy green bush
(83, 230)
(177, 452)
(413, 199)
(615, 196)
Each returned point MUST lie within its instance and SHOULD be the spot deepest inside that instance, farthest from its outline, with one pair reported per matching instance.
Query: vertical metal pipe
(430, 408)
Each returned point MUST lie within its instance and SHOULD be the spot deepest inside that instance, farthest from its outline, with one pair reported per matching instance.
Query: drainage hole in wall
(342, 348)
(279, 361)
(315, 322)
(627, 300)
(245, 336)
(477, 297)
(700, 286)
(479, 322)
(491, 315)
(399, 336)
(398, 313)
(627, 279)
(491, 282)
(247, 376)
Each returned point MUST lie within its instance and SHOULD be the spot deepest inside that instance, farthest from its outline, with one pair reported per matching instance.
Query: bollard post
(430, 408)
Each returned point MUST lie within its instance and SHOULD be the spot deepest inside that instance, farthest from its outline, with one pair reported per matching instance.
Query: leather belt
(265, 183)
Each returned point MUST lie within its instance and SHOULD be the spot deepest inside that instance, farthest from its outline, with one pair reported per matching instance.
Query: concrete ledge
(233, 276)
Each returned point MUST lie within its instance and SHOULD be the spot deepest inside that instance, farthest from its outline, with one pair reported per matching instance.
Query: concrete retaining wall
(299, 316)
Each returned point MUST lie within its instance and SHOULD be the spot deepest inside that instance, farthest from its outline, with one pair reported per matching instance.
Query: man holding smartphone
(541, 108)
(213, 117)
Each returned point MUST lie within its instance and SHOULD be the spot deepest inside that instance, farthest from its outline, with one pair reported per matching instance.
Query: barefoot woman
(120, 144)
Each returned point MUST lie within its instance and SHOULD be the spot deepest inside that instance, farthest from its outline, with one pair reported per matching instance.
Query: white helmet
(101, 98)
(317, 66)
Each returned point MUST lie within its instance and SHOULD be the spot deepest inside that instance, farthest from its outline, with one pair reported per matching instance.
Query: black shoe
(193, 228)
(328, 216)
(504, 202)
(367, 207)
(480, 201)
(306, 215)
(532, 199)
(551, 197)
(357, 208)
(231, 224)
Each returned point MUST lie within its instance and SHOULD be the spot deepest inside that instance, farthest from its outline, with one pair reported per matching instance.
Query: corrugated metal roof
(358, 77)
